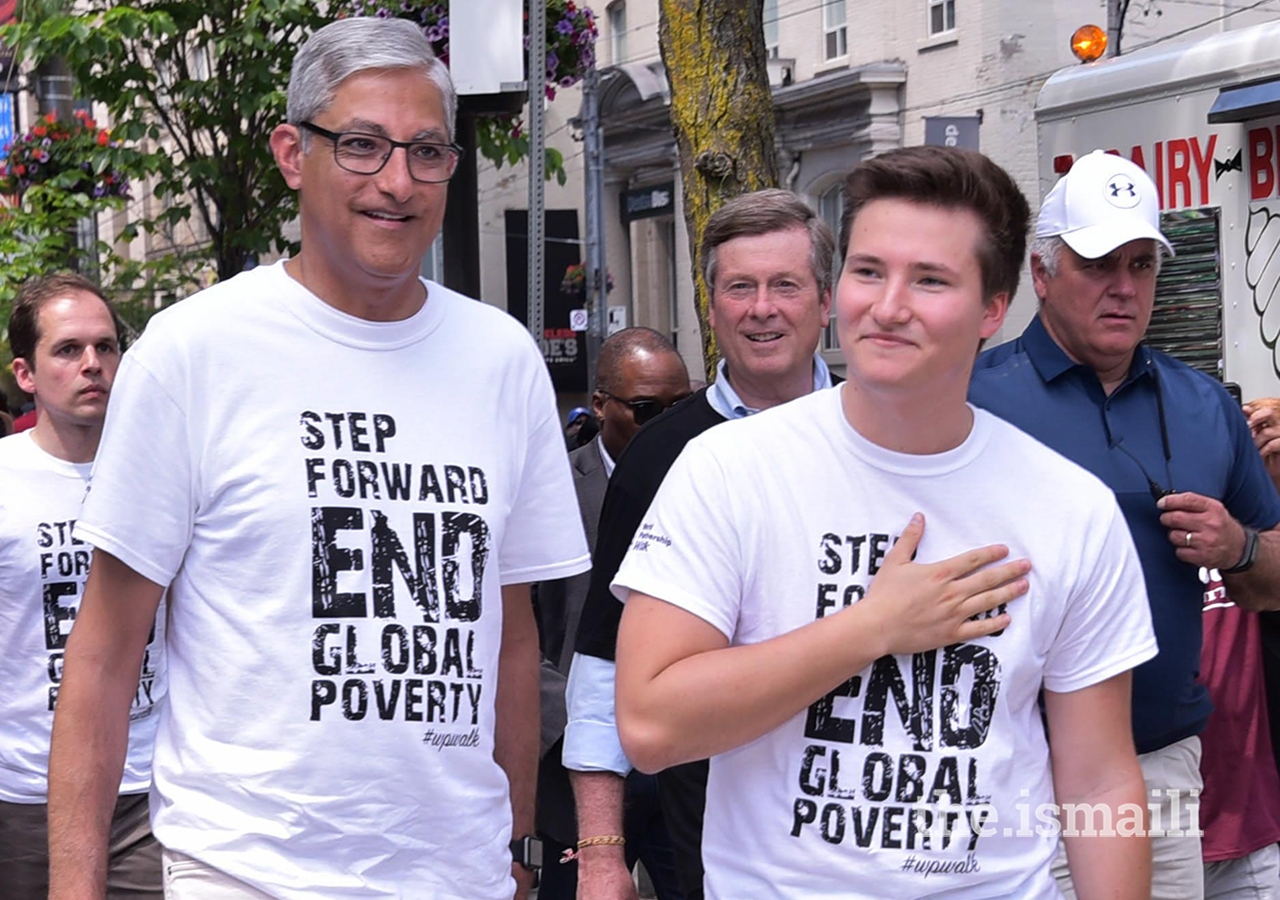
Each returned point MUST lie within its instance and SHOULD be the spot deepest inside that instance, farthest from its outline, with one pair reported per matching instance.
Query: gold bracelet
(600, 840)
(612, 840)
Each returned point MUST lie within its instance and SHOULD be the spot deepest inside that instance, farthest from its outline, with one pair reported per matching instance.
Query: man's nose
(890, 305)
(394, 178)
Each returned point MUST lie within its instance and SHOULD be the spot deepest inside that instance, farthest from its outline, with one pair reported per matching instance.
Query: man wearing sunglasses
(638, 376)
(346, 478)
(1169, 441)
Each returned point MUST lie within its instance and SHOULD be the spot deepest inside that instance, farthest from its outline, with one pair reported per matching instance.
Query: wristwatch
(1249, 555)
(527, 851)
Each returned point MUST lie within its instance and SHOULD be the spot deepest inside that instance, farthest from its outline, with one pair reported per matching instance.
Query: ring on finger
(1188, 538)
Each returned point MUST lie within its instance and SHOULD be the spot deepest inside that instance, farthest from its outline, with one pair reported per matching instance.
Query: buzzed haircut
(24, 320)
(622, 345)
(764, 212)
(950, 178)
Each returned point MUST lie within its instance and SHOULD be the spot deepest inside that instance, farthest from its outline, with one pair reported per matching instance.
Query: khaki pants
(133, 868)
(1252, 877)
(189, 879)
(1177, 870)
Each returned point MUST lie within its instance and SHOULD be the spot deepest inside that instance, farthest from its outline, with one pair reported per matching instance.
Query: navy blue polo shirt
(1031, 383)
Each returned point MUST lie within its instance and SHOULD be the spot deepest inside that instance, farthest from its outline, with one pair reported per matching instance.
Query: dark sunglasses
(645, 409)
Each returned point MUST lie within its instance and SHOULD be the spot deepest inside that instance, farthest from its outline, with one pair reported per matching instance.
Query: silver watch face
(527, 851)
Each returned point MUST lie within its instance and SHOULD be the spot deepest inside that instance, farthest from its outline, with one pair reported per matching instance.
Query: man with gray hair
(767, 263)
(345, 477)
(1168, 440)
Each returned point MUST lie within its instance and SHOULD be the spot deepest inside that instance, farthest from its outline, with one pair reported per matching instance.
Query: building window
(834, 33)
(617, 13)
(830, 209)
(942, 16)
(771, 28)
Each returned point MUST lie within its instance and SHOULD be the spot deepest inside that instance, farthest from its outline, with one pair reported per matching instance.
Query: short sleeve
(1251, 496)
(543, 537)
(1106, 625)
(687, 550)
(141, 503)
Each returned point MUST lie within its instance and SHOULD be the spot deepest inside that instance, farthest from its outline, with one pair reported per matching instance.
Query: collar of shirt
(1051, 361)
(725, 400)
(605, 458)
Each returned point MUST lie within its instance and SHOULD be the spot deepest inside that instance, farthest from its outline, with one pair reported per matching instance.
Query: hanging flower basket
(73, 156)
(571, 33)
(574, 283)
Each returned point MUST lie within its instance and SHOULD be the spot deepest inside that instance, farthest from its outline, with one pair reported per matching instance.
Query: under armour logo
(1122, 192)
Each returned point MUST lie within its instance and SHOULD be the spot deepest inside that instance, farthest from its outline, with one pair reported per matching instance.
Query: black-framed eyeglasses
(430, 162)
(644, 409)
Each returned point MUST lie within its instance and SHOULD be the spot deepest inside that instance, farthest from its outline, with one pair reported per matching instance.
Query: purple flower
(383, 14)
(568, 81)
(42, 156)
(32, 168)
(99, 191)
(432, 33)
(553, 62)
(439, 11)
(47, 142)
(564, 26)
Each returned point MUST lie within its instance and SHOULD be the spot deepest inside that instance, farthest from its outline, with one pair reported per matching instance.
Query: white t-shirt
(335, 503)
(43, 567)
(767, 524)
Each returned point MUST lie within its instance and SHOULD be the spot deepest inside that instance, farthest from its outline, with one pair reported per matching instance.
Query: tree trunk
(722, 115)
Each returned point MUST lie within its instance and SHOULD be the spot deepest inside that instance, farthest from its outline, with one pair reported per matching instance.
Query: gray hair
(1049, 249)
(764, 212)
(349, 46)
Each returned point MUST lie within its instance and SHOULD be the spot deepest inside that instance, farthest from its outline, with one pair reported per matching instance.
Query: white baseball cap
(1103, 202)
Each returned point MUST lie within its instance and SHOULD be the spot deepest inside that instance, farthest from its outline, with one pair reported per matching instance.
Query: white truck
(1202, 118)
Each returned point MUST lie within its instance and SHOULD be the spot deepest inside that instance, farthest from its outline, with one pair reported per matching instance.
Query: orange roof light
(1089, 43)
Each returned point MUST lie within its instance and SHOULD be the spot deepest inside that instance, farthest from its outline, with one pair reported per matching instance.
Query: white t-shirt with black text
(43, 567)
(921, 775)
(336, 504)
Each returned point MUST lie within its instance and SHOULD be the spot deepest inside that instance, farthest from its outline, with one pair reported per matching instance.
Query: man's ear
(286, 147)
(598, 400)
(993, 314)
(1039, 276)
(22, 373)
(825, 302)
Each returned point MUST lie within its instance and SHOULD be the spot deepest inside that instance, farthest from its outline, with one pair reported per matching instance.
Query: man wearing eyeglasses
(638, 376)
(346, 478)
(1169, 441)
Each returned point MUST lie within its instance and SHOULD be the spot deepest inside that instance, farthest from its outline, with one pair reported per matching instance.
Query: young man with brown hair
(66, 340)
(870, 707)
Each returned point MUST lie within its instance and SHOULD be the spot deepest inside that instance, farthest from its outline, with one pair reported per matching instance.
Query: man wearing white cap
(1171, 443)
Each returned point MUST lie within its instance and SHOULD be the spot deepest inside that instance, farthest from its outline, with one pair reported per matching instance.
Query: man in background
(767, 264)
(638, 376)
(66, 340)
